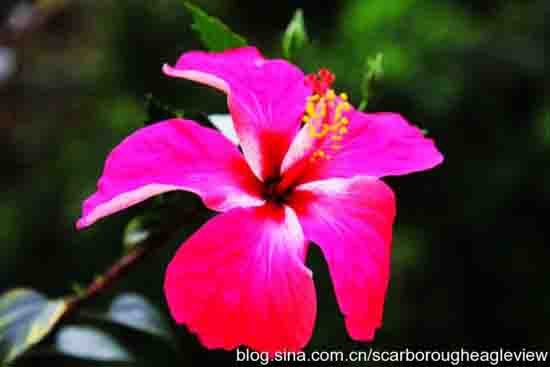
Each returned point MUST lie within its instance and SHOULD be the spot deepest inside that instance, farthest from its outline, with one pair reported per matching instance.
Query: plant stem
(122, 266)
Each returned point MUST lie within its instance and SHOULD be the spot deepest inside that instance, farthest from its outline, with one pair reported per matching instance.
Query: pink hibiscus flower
(309, 170)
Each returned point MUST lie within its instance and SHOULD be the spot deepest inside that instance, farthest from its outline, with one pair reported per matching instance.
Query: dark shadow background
(470, 254)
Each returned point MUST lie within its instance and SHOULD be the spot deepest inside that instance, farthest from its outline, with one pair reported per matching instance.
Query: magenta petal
(266, 99)
(351, 220)
(241, 280)
(173, 155)
(378, 144)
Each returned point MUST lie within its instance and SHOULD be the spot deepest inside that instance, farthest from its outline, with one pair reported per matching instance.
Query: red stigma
(321, 81)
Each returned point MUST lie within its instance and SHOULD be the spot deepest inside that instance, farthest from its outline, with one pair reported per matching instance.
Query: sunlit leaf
(215, 35)
(136, 232)
(88, 342)
(26, 317)
(295, 36)
(136, 312)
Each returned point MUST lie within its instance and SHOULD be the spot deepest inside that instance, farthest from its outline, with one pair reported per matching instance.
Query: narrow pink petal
(266, 99)
(172, 155)
(377, 144)
(241, 280)
(351, 220)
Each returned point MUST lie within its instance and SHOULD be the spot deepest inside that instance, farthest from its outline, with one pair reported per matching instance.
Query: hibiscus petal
(241, 280)
(174, 154)
(351, 220)
(377, 144)
(266, 99)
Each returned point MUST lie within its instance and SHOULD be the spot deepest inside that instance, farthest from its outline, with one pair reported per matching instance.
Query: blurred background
(470, 252)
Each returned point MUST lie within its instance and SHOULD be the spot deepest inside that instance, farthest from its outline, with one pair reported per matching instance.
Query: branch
(138, 253)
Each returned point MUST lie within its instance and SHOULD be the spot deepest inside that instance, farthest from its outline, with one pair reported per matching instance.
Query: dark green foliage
(124, 334)
(26, 318)
(158, 111)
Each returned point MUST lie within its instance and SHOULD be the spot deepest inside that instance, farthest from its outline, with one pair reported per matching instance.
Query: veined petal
(351, 220)
(174, 154)
(376, 144)
(266, 99)
(241, 280)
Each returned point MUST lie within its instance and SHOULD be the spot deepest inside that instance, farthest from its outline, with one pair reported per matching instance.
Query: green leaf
(137, 230)
(26, 318)
(134, 311)
(374, 71)
(88, 342)
(215, 35)
(295, 36)
(157, 111)
(131, 331)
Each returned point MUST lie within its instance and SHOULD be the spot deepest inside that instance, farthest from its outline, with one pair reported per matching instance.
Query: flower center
(325, 115)
(274, 192)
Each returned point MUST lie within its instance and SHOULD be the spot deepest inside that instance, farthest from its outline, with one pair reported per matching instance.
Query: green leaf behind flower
(157, 111)
(295, 36)
(374, 71)
(136, 312)
(214, 34)
(129, 334)
(88, 342)
(26, 318)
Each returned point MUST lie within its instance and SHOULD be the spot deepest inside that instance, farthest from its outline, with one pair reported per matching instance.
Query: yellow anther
(318, 134)
(339, 109)
(313, 133)
(310, 109)
(325, 115)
